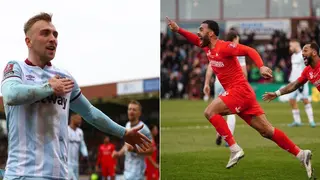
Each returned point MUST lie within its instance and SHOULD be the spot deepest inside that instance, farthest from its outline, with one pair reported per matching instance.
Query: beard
(308, 60)
(205, 41)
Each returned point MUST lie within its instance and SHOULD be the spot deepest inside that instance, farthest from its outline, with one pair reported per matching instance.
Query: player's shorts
(109, 170)
(152, 174)
(73, 172)
(218, 89)
(242, 100)
(301, 93)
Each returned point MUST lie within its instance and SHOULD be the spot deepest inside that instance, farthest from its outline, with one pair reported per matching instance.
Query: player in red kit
(310, 53)
(239, 98)
(105, 160)
(152, 167)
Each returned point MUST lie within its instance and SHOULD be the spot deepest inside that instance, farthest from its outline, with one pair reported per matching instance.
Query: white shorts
(301, 93)
(218, 89)
(73, 172)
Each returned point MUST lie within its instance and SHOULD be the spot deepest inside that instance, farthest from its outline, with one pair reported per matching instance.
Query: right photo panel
(240, 89)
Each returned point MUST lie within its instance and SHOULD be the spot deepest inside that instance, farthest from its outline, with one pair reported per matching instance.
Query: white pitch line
(207, 127)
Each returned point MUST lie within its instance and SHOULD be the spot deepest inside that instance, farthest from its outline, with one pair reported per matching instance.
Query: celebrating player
(105, 160)
(76, 145)
(298, 65)
(37, 97)
(310, 54)
(218, 89)
(238, 98)
(134, 164)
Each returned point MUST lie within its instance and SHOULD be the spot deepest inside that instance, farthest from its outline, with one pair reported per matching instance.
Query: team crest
(9, 68)
(232, 45)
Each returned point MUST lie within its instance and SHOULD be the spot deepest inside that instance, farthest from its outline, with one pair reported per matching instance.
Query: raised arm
(194, 39)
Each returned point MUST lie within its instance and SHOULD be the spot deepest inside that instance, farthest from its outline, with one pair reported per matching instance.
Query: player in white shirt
(218, 89)
(76, 145)
(303, 92)
(37, 97)
(134, 164)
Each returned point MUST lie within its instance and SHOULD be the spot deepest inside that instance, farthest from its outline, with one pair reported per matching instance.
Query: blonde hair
(136, 103)
(39, 17)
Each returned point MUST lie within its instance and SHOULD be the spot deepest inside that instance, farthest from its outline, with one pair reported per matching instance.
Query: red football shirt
(153, 156)
(312, 75)
(223, 60)
(105, 155)
(151, 171)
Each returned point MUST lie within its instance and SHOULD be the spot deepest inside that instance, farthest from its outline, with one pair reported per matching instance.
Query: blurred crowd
(183, 65)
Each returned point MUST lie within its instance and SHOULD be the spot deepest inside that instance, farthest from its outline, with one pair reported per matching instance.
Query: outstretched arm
(290, 88)
(269, 96)
(95, 117)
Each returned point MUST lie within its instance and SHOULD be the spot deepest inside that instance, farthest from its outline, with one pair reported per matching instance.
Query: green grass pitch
(188, 149)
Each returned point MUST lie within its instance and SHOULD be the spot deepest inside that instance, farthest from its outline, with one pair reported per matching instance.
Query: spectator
(278, 75)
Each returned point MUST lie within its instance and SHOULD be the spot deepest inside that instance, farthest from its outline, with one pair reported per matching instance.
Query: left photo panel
(79, 91)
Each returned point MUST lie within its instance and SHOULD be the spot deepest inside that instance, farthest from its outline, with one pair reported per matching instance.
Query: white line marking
(207, 127)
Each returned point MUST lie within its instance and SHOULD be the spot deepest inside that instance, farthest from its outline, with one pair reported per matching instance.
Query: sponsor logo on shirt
(53, 99)
(30, 77)
(316, 83)
(211, 56)
(216, 63)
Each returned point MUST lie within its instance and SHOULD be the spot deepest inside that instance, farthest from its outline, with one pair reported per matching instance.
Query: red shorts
(242, 101)
(109, 170)
(152, 174)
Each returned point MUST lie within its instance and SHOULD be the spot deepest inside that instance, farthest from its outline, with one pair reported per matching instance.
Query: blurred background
(266, 25)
